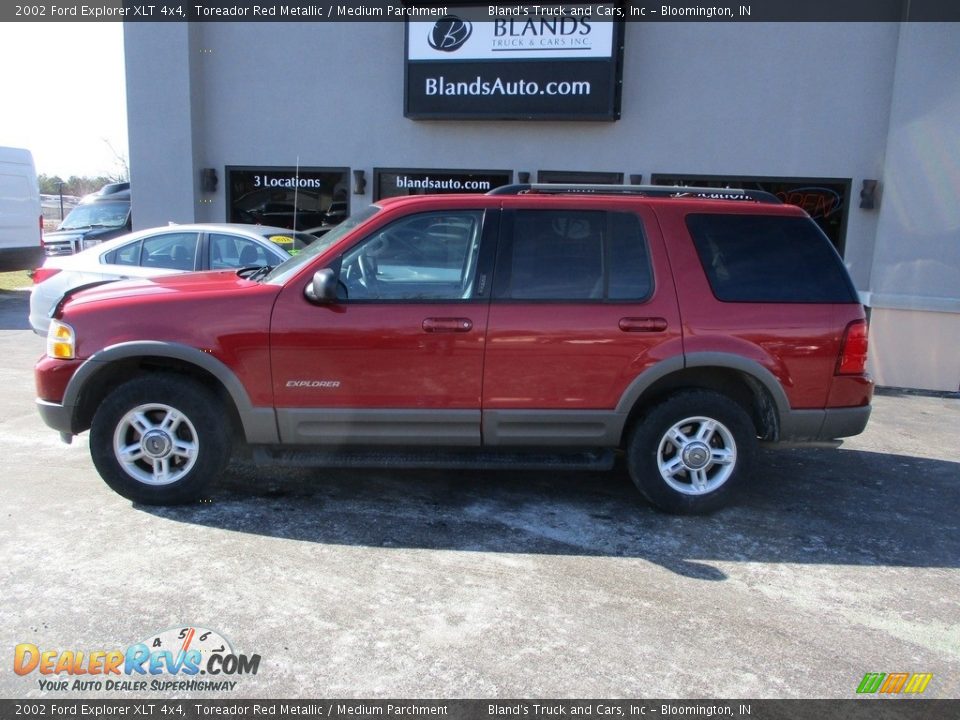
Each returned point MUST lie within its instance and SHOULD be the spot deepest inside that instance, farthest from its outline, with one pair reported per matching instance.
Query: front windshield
(102, 214)
(292, 242)
(288, 268)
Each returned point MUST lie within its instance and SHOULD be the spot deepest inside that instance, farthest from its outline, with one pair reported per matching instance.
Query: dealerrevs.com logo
(177, 659)
(449, 34)
(894, 683)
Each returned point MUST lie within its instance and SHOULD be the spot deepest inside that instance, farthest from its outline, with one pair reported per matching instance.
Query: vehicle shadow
(803, 506)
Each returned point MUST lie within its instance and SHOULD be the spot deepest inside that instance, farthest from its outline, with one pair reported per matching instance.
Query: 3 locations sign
(536, 62)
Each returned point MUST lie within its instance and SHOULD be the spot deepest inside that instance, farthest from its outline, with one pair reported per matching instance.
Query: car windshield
(103, 214)
(292, 242)
(285, 270)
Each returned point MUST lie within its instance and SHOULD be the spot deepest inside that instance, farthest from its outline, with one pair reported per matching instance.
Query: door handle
(643, 324)
(448, 325)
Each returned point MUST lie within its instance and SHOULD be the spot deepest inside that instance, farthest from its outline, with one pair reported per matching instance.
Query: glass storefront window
(312, 199)
(826, 200)
(573, 176)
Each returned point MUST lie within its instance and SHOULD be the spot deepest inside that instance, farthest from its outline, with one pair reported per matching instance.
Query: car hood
(167, 286)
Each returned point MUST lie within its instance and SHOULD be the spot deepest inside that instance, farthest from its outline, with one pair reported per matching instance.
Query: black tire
(711, 466)
(175, 463)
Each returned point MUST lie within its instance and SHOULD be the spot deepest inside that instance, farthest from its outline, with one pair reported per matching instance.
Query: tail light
(41, 231)
(43, 273)
(853, 350)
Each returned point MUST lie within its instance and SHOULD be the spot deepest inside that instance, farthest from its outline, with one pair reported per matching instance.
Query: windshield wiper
(254, 273)
(86, 227)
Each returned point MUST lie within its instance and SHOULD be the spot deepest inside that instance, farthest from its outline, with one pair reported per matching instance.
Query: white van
(21, 220)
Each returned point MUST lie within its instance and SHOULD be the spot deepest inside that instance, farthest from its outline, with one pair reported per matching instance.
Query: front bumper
(58, 417)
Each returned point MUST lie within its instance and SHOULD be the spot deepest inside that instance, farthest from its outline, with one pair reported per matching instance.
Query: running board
(441, 459)
(801, 444)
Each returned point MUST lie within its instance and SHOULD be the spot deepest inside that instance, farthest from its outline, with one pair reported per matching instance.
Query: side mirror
(322, 290)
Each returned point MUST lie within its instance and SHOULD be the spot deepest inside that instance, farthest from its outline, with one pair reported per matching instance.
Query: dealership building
(302, 123)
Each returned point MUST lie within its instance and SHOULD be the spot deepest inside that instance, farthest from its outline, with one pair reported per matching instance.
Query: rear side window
(230, 251)
(572, 255)
(630, 276)
(173, 251)
(766, 258)
(129, 254)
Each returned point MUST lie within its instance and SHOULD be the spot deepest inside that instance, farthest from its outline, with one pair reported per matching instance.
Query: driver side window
(429, 256)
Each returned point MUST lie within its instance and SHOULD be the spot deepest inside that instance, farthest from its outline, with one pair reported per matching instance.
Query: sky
(63, 95)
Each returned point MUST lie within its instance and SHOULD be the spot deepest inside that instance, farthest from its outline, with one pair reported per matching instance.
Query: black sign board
(560, 62)
(398, 182)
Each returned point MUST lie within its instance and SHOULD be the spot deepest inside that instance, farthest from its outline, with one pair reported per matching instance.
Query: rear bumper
(820, 425)
(844, 422)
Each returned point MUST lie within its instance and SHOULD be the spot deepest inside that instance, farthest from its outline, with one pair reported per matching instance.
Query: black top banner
(398, 10)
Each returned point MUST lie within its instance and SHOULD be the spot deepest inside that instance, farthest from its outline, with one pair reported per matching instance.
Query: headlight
(61, 341)
(89, 243)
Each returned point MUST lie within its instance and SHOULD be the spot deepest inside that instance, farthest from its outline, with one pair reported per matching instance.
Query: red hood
(168, 286)
(201, 310)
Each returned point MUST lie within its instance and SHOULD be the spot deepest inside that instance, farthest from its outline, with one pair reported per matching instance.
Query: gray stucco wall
(917, 259)
(159, 118)
(792, 99)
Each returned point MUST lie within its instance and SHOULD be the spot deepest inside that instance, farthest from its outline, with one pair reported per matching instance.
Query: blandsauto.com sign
(558, 62)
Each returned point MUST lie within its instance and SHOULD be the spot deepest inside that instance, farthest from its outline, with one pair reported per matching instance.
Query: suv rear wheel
(159, 440)
(688, 453)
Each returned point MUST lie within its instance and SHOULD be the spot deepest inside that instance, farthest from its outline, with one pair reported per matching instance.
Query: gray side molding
(385, 426)
(552, 428)
(259, 424)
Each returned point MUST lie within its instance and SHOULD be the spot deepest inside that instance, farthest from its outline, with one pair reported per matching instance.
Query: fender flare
(728, 361)
(259, 424)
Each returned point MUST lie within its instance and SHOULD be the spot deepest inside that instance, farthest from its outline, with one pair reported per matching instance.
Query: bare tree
(121, 171)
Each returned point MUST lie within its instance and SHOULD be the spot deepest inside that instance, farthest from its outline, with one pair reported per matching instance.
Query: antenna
(296, 188)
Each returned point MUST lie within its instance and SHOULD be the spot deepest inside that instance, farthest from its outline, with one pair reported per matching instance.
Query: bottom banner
(867, 709)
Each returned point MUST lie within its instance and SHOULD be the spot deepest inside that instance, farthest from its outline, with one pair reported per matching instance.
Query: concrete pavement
(509, 584)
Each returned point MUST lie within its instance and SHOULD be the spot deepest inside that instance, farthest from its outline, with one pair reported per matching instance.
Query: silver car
(160, 251)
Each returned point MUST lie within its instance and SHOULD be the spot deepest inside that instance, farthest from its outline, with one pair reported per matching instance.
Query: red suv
(535, 326)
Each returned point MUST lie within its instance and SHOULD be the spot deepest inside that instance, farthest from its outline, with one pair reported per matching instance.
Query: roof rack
(670, 191)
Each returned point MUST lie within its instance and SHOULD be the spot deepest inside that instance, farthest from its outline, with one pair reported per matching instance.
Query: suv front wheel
(689, 452)
(159, 440)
